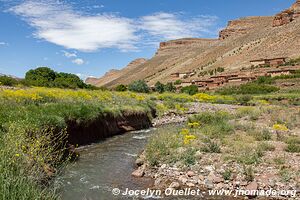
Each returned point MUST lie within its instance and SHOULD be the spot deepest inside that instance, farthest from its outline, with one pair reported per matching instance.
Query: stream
(107, 165)
(104, 166)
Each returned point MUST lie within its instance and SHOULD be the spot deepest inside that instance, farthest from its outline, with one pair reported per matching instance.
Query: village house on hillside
(279, 72)
(237, 78)
(273, 62)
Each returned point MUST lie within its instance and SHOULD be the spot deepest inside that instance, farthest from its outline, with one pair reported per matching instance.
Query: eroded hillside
(240, 42)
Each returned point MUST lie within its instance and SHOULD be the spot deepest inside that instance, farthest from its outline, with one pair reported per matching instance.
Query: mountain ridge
(243, 40)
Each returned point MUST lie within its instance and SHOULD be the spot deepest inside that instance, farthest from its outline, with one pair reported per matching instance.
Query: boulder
(138, 173)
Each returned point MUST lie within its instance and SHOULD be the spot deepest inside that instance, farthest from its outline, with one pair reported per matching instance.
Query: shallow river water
(108, 165)
(104, 166)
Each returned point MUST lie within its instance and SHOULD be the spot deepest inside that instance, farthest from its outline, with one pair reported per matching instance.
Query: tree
(159, 87)
(169, 87)
(66, 80)
(46, 77)
(121, 88)
(8, 81)
(191, 90)
(139, 86)
(42, 76)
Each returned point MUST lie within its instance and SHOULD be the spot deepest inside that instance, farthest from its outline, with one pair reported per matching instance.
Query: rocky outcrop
(185, 43)
(239, 27)
(288, 15)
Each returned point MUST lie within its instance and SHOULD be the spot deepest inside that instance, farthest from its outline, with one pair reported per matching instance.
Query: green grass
(248, 88)
(33, 124)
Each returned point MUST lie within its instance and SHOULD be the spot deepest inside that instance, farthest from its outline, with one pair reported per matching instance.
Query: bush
(169, 87)
(293, 148)
(121, 88)
(8, 81)
(264, 80)
(191, 90)
(188, 157)
(177, 82)
(243, 99)
(227, 174)
(211, 147)
(249, 88)
(262, 135)
(249, 173)
(159, 87)
(139, 86)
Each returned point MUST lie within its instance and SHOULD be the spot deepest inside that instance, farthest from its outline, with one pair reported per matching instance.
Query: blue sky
(89, 37)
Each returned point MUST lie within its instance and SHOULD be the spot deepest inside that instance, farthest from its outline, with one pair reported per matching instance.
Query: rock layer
(288, 15)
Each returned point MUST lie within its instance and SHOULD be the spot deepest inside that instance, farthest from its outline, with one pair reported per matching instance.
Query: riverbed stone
(175, 185)
(190, 185)
(139, 162)
(183, 179)
(252, 186)
(217, 179)
(190, 173)
(138, 173)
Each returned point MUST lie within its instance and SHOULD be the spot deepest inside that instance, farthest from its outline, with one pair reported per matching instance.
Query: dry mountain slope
(242, 40)
(115, 74)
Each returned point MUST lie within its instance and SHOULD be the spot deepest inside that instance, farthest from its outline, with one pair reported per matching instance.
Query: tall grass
(33, 133)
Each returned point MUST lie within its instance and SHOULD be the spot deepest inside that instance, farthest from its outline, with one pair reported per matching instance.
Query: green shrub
(249, 88)
(169, 87)
(8, 81)
(210, 117)
(227, 174)
(188, 156)
(248, 173)
(279, 160)
(211, 147)
(264, 146)
(293, 148)
(121, 88)
(177, 82)
(159, 87)
(264, 80)
(191, 90)
(285, 175)
(262, 135)
(139, 86)
(243, 99)
(250, 157)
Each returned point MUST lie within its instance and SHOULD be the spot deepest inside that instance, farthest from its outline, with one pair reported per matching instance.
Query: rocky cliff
(288, 15)
(240, 42)
(240, 27)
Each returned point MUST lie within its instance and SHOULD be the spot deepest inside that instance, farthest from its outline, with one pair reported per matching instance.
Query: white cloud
(58, 23)
(69, 54)
(3, 44)
(98, 6)
(78, 61)
(170, 26)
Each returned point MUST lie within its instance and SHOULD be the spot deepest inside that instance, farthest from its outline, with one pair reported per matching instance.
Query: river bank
(254, 153)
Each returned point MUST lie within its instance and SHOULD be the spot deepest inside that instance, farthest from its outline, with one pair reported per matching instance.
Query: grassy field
(30, 151)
